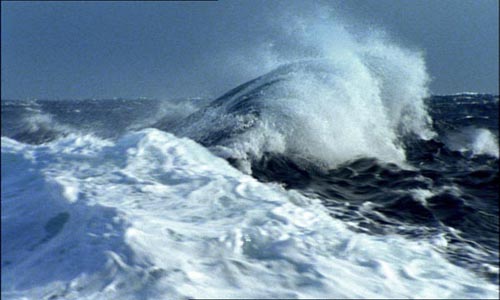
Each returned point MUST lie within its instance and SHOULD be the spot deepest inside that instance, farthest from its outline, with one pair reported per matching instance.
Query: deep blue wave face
(448, 194)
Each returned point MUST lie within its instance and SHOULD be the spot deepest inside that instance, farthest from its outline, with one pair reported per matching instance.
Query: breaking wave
(324, 112)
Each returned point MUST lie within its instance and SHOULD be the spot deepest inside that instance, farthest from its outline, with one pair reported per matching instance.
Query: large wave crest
(323, 110)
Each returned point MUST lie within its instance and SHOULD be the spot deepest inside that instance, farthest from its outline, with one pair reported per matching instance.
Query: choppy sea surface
(297, 184)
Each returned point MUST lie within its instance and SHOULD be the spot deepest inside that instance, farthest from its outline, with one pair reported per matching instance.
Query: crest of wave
(335, 96)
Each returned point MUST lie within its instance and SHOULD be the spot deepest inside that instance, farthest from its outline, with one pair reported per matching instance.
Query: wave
(41, 121)
(321, 112)
(149, 215)
(117, 211)
(476, 141)
(331, 95)
(35, 126)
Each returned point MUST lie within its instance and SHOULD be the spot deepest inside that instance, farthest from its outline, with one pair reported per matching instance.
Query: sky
(85, 49)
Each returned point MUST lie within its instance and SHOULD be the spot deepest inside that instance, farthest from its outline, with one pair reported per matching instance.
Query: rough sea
(320, 179)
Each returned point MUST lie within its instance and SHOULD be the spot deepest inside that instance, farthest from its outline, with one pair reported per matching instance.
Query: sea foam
(478, 141)
(155, 216)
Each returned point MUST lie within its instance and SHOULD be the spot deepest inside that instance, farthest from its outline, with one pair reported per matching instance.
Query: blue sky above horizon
(86, 49)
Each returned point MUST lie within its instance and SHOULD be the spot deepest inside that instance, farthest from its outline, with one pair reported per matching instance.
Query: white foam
(169, 112)
(40, 123)
(336, 97)
(476, 140)
(153, 216)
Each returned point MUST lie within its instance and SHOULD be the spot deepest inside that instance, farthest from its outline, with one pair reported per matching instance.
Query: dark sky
(175, 49)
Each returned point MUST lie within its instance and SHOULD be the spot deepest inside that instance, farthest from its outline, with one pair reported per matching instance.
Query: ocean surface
(304, 182)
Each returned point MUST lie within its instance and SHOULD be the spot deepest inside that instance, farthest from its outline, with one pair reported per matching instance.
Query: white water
(153, 216)
(478, 141)
(335, 97)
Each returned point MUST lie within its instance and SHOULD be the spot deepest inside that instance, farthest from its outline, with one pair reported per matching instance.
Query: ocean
(318, 179)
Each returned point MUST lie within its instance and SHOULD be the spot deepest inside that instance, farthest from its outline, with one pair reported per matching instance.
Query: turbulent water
(97, 204)
(330, 178)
